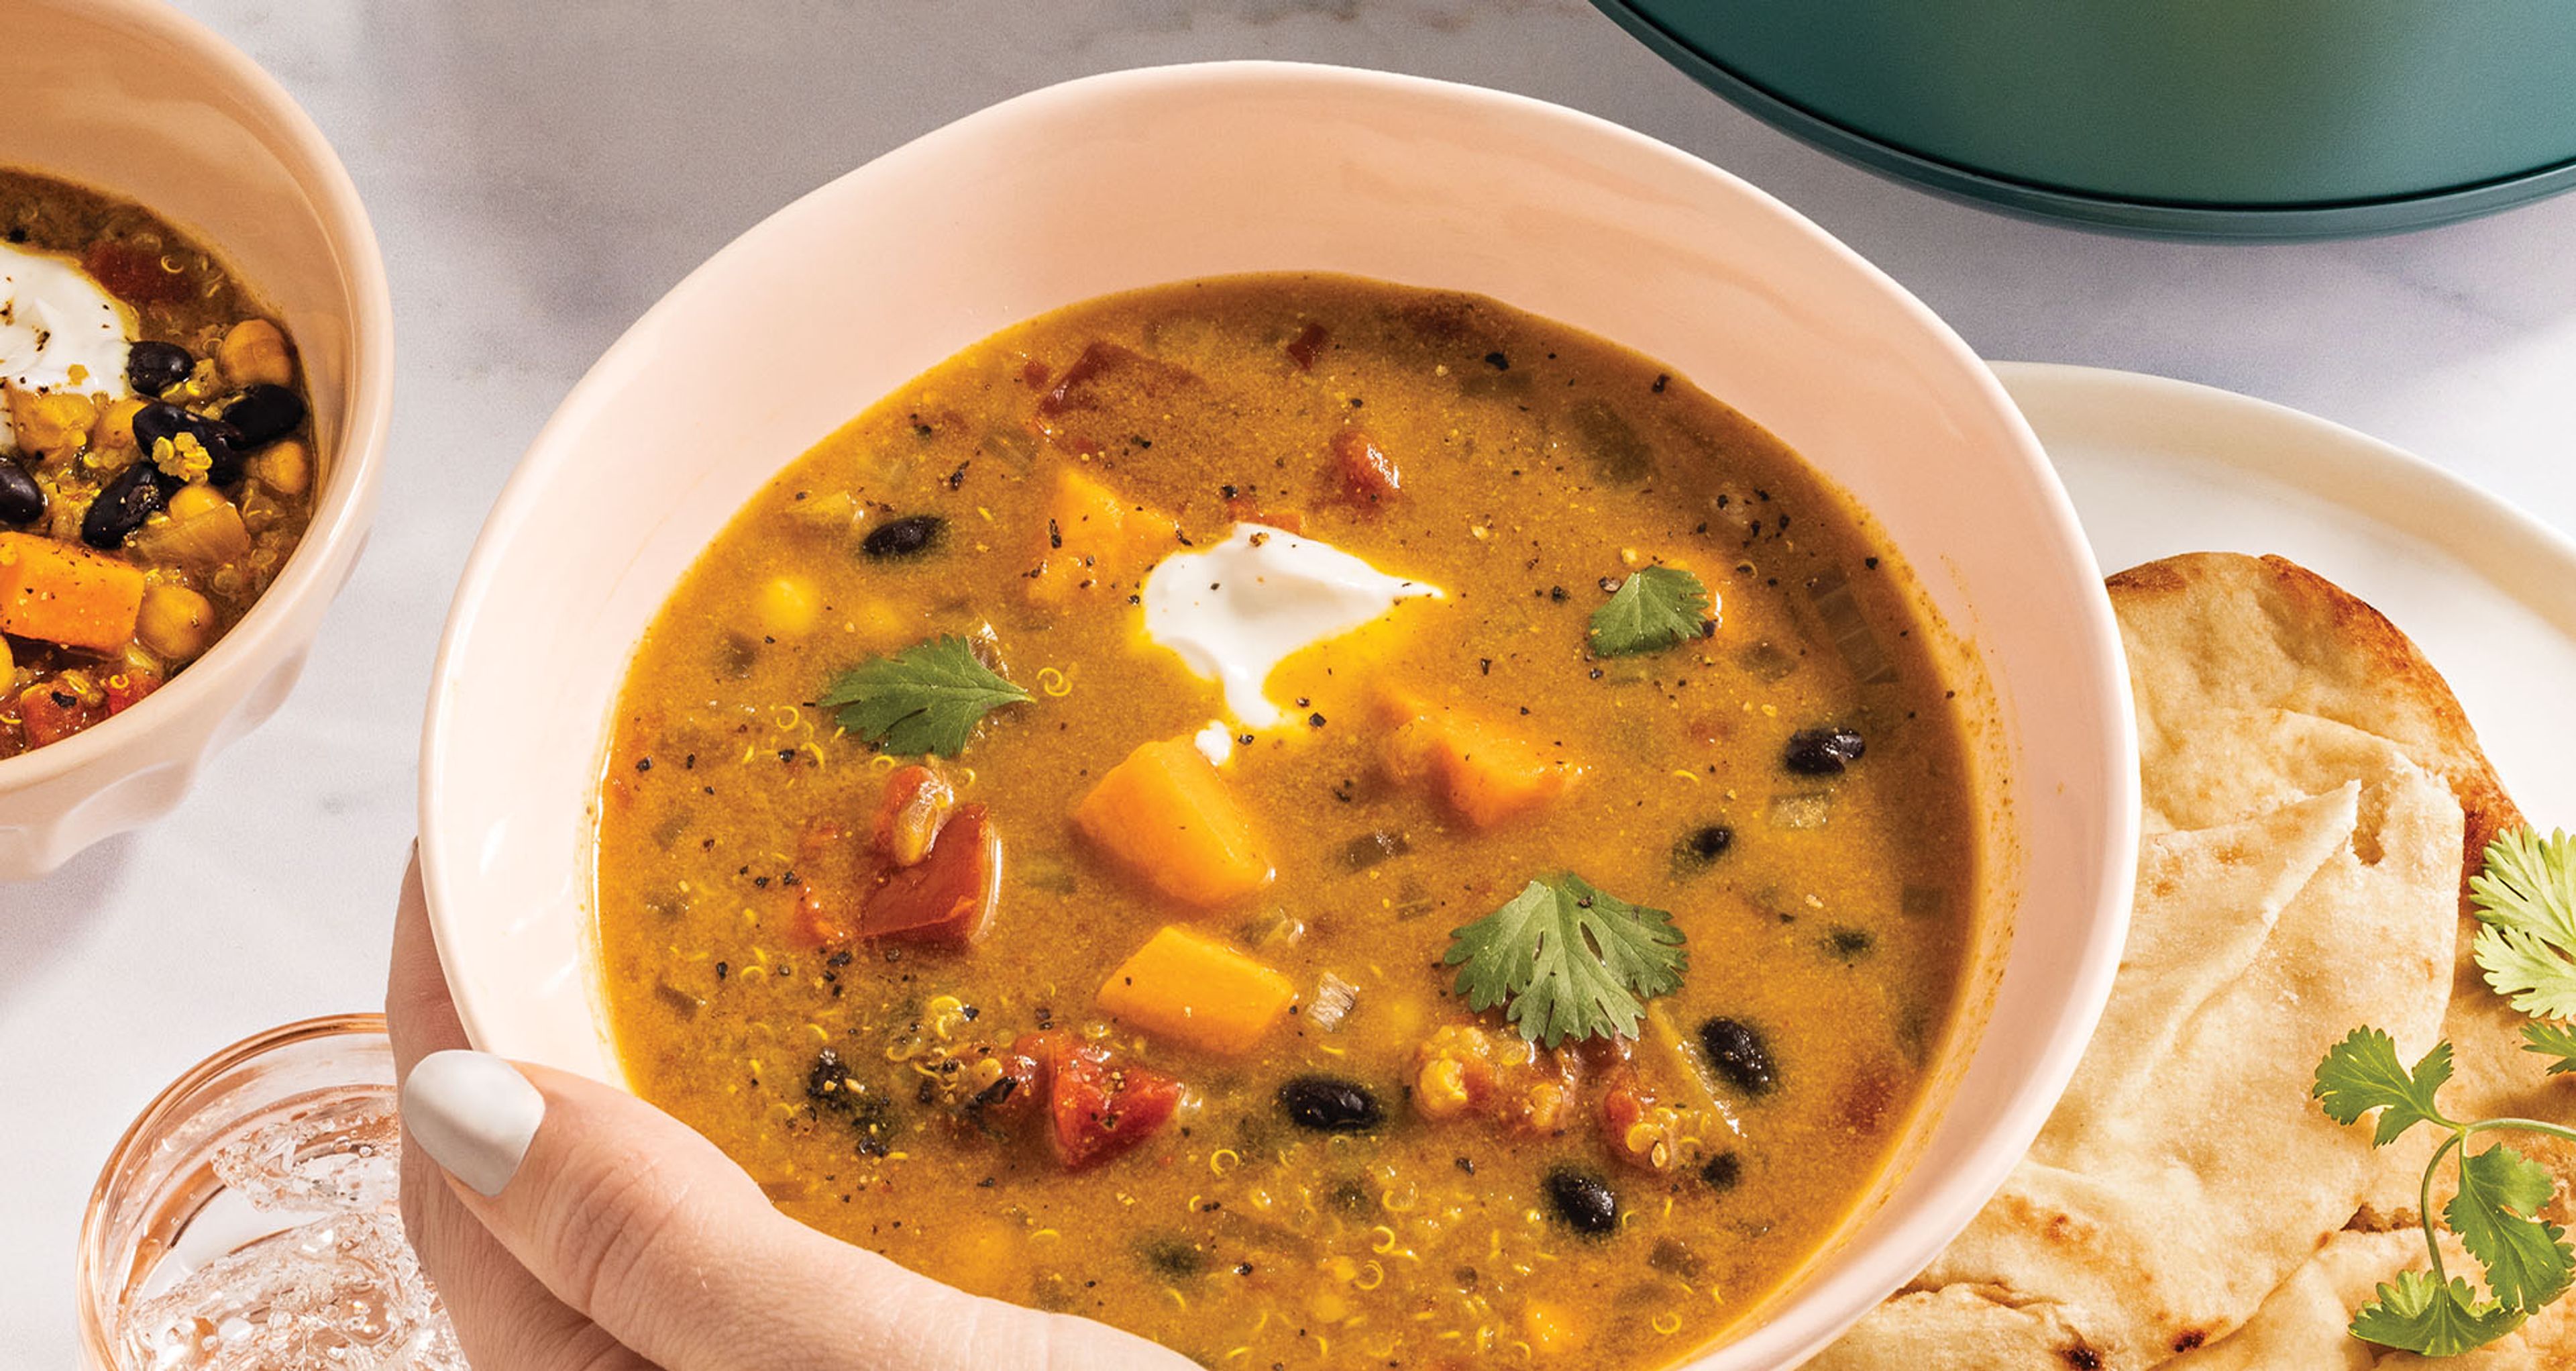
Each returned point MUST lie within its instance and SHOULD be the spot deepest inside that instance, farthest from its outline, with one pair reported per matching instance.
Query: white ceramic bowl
(1140, 177)
(131, 97)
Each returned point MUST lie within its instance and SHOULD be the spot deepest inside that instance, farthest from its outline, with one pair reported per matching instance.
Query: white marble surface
(540, 172)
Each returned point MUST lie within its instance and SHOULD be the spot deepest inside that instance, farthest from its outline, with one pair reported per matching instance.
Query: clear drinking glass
(249, 1220)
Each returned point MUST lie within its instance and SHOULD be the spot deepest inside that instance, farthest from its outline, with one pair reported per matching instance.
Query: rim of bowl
(342, 515)
(1913, 1238)
(95, 1341)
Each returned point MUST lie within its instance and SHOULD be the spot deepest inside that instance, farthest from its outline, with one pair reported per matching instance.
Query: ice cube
(339, 1154)
(342, 1293)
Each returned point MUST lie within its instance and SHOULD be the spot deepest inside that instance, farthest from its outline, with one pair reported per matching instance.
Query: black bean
(1328, 1104)
(1723, 1171)
(136, 494)
(1708, 842)
(1584, 1200)
(1848, 945)
(1738, 1053)
(263, 414)
(908, 536)
(1822, 751)
(155, 422)
(22, 501)
(153, 367)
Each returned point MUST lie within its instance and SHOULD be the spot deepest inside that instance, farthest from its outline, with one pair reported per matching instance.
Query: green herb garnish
(1652, 610)
(2527, 900)
(2526, 897)
(925, 699)
(1571, 960)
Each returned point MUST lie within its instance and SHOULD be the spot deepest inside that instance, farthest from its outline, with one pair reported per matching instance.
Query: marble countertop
(540, 173)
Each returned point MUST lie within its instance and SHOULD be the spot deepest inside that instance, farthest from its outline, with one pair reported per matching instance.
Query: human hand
(573, 1227)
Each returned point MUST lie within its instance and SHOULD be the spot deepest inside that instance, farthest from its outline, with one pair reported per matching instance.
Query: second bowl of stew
(1399, 727)
(195, 385)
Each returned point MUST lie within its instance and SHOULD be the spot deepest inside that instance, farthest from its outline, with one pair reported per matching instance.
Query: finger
(504, 1318)
(632, 1218)
(420, 1016)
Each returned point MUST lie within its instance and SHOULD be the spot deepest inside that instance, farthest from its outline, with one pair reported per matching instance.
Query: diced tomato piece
(127, 687)
(946, 899)
(133, 275)
(1108, 396)
(1309, 342)
(1367, 474)
(1099, 364)
(54, 710)
(915, 803)
(1099, 1108)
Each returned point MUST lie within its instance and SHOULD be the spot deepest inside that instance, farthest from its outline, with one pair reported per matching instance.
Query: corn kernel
(176, 622)
(1549, 1327)
(788, 607)
(254, 353)
(53, 423)
(116, 424)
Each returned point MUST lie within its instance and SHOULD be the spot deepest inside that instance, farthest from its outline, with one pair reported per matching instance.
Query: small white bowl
(133, 98)
(1139, 177)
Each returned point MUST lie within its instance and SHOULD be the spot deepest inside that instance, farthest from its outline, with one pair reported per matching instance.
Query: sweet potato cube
(1485, 774)
(58, 592)
(1192, 988)
(1094, 538)
(1165, 815)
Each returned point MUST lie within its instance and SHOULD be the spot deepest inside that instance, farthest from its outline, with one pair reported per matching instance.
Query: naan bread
(2217, 632)
(2153, 1215)
(2300, 877)
(2223, 639)
(2214, 636)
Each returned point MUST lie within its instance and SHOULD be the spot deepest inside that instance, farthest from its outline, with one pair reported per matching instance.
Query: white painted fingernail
(474, 1114)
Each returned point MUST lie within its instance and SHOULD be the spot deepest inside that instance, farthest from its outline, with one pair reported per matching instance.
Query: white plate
(2159, 466)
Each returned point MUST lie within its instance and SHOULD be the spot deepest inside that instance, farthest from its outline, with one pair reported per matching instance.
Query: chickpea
(192, 500)
(175, 622)
(286, 468)
(255, 352)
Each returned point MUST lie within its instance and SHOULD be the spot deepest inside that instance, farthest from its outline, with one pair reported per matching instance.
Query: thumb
(633, 1219)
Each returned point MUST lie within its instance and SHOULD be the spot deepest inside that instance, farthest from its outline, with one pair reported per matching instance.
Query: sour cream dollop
(59, 328)
(1235, 611)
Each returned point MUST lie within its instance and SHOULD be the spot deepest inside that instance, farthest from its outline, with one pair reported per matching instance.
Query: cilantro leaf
(2362, 1073)
(925, 699)
(2420, 1313)
(1571, 961)
(2526, 897)
(2528, 1264)
(1650, 611)
(2556, 1041)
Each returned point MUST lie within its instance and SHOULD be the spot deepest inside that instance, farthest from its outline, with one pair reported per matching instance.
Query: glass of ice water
(249, 1220)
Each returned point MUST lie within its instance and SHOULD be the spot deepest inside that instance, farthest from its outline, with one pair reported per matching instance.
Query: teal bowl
(2241, 119)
